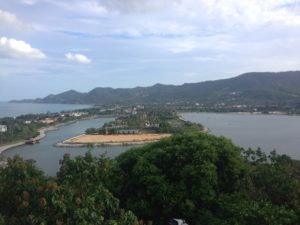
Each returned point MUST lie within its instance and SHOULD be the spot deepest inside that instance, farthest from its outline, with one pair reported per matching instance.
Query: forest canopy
(197, 177)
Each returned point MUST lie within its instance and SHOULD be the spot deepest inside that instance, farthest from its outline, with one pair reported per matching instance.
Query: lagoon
(268, 132)
(47, 156)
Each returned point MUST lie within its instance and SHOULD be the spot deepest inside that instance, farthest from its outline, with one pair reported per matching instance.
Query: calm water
(47, 156)
(16, 109)
(266, 131)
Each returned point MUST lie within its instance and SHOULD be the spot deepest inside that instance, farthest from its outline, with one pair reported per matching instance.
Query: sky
(51, 46)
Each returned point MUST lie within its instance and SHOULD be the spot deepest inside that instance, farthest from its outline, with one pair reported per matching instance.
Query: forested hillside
(251, 89)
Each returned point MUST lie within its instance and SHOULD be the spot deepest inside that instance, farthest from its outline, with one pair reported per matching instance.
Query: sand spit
(111, 140)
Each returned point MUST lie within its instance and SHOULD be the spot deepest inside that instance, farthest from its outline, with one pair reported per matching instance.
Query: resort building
(3, 128)
(128, 131)
(78, 114)
(47, 120)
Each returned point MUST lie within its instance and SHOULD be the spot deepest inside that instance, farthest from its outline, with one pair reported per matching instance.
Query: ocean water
(16, 109)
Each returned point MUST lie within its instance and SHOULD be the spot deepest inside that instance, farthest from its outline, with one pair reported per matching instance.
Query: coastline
(279, 113)
(9, 146)
(43, 133)
(104, 144)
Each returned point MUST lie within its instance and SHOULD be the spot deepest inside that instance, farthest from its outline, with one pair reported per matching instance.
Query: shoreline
(104, 144)
(243, 113)
(43, 133)
(9, 146)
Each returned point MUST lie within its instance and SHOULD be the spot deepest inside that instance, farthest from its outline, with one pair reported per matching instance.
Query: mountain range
(249, 88)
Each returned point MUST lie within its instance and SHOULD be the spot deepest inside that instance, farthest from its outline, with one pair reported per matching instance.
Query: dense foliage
(77, 196)
(206, 180)
(17, 130)
(198, 177)
(27, 126)
(149, 120)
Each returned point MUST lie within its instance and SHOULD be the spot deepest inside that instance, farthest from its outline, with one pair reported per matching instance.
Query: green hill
(250, 88)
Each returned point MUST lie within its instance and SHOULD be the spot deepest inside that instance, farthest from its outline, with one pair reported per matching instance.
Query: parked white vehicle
(177, 222)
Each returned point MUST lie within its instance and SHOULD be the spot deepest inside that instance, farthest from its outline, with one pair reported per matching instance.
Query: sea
(16, 109)
(268, 132)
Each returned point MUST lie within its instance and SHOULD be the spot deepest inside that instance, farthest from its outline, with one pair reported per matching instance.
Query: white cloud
(139, 18)
(129, 6)
(199, 30)
(87, 7)
(210, 58)
(77, 58)
(184, 46)
(91, 7)
(28, 2)
(217, 43)
(11, 48)
(10, 20)
(102, 6)
(192, 16)
(253, 12)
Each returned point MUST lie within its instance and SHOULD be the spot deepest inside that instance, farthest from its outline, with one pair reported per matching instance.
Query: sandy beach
(119, 139)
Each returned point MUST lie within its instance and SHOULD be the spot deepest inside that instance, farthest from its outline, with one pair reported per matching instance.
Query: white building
(3, 128)
(78, 114)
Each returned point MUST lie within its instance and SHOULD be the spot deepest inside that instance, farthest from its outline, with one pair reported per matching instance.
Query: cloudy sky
(50, 46)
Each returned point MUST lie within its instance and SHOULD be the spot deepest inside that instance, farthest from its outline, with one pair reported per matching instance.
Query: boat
(31, 141)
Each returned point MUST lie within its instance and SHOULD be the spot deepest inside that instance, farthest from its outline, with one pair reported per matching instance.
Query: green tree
(205, 180)
(77, 196)
(177, 177)
(84, 180)
(91, 131)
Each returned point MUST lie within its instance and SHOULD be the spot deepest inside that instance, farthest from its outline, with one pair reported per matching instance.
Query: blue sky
(50, 46)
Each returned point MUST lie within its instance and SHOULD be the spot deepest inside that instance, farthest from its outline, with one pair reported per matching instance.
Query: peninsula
(139, 125)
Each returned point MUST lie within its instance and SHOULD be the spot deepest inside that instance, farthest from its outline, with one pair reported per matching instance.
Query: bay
(47, 156)
(268, 132)
(17, 109)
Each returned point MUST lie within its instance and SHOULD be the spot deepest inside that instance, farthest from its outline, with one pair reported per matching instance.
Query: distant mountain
(249, 88)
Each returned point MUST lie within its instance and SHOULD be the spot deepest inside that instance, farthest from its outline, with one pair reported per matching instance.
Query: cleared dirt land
(116, 138)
